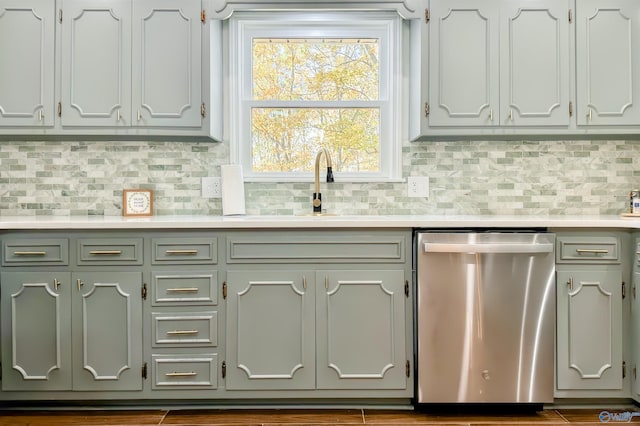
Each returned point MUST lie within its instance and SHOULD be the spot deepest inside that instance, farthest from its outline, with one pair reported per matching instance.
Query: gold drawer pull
(29, 253)
(181, 374)
(190, 252)
(592, 251)
(183, 290)
(181, 332)
(105, 252)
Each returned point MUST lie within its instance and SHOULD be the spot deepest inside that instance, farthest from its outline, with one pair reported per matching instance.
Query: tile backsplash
(466, 177)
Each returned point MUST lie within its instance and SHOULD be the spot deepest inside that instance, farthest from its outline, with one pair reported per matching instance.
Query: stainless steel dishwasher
(485, 317)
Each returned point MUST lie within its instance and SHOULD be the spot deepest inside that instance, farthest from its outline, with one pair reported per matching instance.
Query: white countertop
(300, 222)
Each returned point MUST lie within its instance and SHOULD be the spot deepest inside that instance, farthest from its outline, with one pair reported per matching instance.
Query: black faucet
(317, 196)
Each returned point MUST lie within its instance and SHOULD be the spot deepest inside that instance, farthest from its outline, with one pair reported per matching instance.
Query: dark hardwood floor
(550, 417)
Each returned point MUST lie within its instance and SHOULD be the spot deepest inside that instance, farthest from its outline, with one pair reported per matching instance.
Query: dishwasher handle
(488, 248)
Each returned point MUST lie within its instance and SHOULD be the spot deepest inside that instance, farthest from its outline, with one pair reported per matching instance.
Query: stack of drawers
(184, 304)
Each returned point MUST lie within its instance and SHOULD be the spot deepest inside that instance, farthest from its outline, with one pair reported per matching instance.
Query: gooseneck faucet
(317, 196)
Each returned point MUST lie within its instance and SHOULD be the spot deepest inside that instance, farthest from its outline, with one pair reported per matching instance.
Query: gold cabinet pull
(181, 374)
(79, 283)
(181, 332)
(510, 114)
(491, 114)
(183, 290)
(40, 115)
(118, 115)
(56, 284)
(570, 283)
(304, 282)
(139, 116)
(590, 116)
(105, 252)
(190, 252)
(592, 251)
(29, 253)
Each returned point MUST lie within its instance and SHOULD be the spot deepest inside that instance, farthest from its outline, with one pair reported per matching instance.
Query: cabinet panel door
(36, 331)
(26, 69)
(607, 42)
(635, 331)
(589, 329)
(96, 63)
(270, 330)
(107, 330)
(166, 63)
(464, 63)
(361, 330)
(534, 63)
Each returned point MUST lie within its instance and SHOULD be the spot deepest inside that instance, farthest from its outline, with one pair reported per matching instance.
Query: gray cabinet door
(361, 330)
(607, 62)
(589, 329)
(167, 63)
(635, 318)
(107, 330)
(635, 331)
(464, 63)
(270, 330)
(96, 63)
(534, 63)
(27, 35)
(36, 331)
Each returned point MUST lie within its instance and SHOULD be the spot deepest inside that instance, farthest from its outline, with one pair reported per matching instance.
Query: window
(302, 81)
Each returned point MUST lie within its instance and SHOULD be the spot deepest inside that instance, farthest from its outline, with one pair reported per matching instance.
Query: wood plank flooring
(306, 417)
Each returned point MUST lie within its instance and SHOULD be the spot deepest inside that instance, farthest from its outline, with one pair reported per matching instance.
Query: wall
(467, 177)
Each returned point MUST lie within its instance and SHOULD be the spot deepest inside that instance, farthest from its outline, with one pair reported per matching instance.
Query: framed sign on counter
(137, 202)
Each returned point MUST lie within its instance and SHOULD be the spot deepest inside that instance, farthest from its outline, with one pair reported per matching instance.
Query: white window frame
(385, 26)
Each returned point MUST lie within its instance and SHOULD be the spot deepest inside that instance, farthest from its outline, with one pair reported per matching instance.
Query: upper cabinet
(27, 66)
(123, 68)
(498, 63)
(167, 63)
(127, 64)
(608, 62)
(504, 68)
(534, 63)
(96, 63)
(464, 81)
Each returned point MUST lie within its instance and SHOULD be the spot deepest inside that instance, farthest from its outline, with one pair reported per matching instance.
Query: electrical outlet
(418, 186)
(211, 187)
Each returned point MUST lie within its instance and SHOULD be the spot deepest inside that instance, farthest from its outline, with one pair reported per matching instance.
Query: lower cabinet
(635, 318)
(590, 329)
(71, 331)
(313, 315)
(360, 329)
(271, 330)
(323, 329)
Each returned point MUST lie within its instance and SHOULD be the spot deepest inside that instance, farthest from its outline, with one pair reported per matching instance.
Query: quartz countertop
(307, 222)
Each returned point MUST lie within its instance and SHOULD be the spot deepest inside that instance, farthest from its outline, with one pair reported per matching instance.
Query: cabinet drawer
(35, 252)
(588, 249)
(185, 371)
(110, 251)
(337, 248)
(185, 329)
(184, 288)
(172, 251)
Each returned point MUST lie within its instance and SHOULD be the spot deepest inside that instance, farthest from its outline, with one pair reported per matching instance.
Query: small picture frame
(137, 202)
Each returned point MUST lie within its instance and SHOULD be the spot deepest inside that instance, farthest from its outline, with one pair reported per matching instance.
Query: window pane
(315, 70)
(287, 139)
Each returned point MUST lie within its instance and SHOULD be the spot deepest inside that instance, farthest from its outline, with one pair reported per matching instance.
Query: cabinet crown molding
(223, 9)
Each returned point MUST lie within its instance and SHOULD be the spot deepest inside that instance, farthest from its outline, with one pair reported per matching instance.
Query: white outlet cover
(418, 186)
(211, 187)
